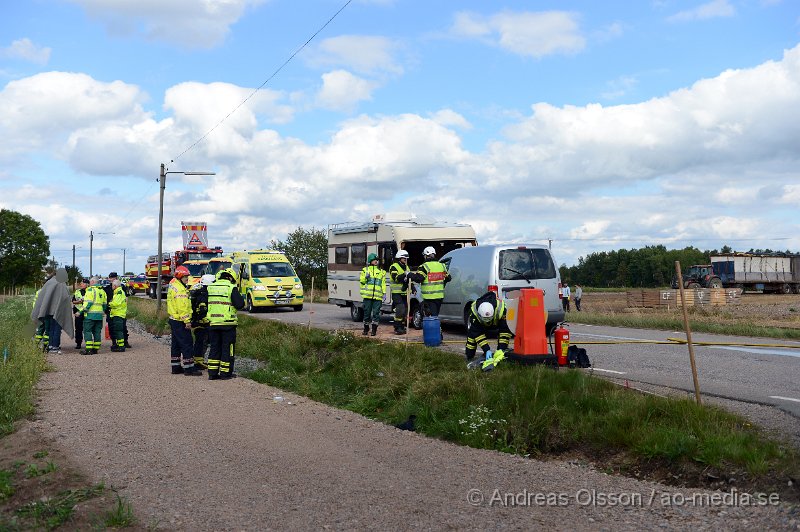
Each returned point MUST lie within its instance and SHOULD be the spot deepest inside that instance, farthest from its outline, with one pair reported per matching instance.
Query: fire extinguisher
(561, 336)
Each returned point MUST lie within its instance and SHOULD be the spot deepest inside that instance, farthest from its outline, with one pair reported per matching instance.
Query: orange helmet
(181, 272)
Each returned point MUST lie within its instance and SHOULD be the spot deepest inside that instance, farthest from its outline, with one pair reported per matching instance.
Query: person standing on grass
(179, 309)
(117, 311)
(565, 293)
(373, 286)
(578, 296)
(92, 311)
(224, 300)
(53, 308)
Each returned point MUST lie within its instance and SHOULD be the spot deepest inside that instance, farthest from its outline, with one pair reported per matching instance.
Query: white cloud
(366, 54)
(26, 50)
(534, 34)
(713, 9)
(448, 118)
(341, 91)
(186, 23)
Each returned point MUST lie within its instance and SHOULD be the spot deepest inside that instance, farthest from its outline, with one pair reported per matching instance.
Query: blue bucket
(431, 331)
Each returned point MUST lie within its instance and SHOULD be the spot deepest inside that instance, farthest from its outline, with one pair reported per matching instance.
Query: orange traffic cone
(531, 338)
(108, 333)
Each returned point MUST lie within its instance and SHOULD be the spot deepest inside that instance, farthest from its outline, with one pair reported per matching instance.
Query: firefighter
(224, 300)
(77, 302)
(199, 297)
(486, 314)
(399, 275)
(117, 311)
(94, 306)
(179, 309)
(432, 276)
(373, 286)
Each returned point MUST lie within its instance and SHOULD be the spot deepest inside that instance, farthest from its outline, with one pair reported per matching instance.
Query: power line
(198, 141)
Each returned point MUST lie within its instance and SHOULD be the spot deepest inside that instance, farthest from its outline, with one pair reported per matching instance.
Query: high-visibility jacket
(119, 304)
(435, 275)
(499, 313)
(373, 282)
(94, 303)
(397, 274)
(220, 308)
(179, 308)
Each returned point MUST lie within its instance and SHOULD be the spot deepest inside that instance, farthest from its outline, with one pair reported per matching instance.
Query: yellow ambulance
(267, 279)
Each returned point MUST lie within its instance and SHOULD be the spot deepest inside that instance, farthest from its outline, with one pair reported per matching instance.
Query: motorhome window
(358, 254)
(387, 253)
(342, 255)
(519, 264)
(272, 269)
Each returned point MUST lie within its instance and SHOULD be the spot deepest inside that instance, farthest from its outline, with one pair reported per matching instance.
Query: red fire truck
(195, 247)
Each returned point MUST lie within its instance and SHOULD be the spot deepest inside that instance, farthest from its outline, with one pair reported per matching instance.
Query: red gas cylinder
(561, 338)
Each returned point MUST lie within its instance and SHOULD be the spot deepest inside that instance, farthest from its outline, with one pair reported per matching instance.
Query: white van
(503, 269)
(350, 243)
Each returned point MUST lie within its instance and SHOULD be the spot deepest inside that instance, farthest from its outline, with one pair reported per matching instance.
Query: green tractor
(699, 276)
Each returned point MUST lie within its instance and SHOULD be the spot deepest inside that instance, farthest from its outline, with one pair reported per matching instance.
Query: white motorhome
(350, 243)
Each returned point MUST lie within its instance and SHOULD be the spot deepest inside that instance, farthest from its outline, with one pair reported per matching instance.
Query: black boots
(374, 329)
(192, 371)
(366, 329)
(399, 329)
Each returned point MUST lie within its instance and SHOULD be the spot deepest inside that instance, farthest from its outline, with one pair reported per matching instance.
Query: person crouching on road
(117, 311)
(399, 275)
(224, 300)
(486, 314)
(179, 309)
(198, 294)
(92, 311)
(373, 286)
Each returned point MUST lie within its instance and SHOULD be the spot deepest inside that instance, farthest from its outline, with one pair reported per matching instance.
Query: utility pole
(91, 241)
(73, 258)
(123, 261)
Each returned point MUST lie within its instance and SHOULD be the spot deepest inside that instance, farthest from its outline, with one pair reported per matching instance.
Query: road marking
(784, 398)
(610, 371)
(759, 350)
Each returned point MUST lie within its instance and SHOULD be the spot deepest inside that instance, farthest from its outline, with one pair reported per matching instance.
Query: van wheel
(467, 312)
(416, 316)
(151, 292)
(356, 313)
(250, 308)
(297, 308)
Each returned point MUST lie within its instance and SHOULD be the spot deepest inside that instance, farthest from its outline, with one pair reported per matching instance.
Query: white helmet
(429, 252)
(402, 254)
(207, 279)
(485, 311)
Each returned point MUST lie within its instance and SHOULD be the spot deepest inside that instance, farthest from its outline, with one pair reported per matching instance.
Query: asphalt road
(763, 375)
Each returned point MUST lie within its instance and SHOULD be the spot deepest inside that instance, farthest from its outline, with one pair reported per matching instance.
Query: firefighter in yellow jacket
(224, 300)
(399, 275)
(179, 308)
(118, 311)
(373, 286)
(432, 275)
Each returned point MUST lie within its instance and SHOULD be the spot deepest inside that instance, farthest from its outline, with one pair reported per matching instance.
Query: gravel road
(191, 454)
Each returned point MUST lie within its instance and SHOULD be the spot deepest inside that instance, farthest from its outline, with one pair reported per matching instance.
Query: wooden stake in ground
(688, 332)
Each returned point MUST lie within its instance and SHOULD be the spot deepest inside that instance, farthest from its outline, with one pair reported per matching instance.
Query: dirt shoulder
(190, 454)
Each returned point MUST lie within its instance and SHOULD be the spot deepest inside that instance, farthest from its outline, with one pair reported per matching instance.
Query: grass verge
(531, 411)
(39, 490)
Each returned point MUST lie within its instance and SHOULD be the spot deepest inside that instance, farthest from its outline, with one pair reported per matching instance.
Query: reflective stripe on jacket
(373, 283)
(220, 308)
(397, 274)
(435, 274)
(94, 303)
(179, 308)
(119, 304)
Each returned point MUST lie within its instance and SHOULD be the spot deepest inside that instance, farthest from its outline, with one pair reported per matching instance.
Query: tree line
(647, 267)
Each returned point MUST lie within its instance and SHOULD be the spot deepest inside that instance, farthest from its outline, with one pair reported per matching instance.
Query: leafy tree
(307, 249)
(23, 249)
(73, 274)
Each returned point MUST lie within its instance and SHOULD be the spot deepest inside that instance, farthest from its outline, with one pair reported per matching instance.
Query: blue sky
(599, 125)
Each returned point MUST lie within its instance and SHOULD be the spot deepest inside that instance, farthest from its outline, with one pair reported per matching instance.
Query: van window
(519, 264)
(358, 254)
(272, 269)
(341, 255)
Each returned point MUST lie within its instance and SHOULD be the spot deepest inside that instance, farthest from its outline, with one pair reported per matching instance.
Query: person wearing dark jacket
(224, 300)
(77, 303)
(486, 314)
(198, 294)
